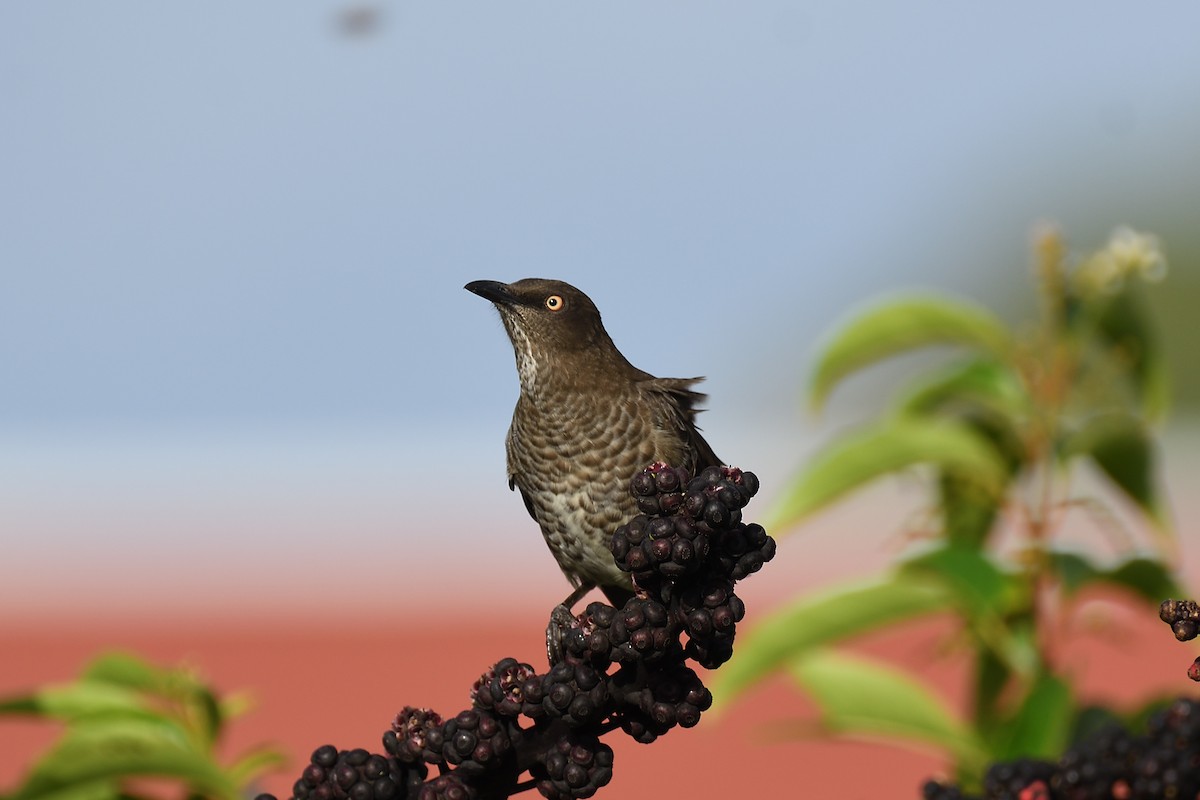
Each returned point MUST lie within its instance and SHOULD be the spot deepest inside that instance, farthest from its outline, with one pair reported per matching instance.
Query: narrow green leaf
(979, 585)
(859, 696)
(101, 789)
(73, 700)
(1119, 444)
(977, 385)
(128, 670)
(209, 710)
(984, 395)
(119, 748)
(1124, 325)
(989, 600)
(24, 704)
(1015, 640)
(968, 511)
(1041, 726)
(860, 457)
(991, 675)
(178, 685)
(902, 324)
(820, 619)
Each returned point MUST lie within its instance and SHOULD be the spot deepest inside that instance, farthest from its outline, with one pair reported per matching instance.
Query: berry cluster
(575, 766)
(686, 525)
(576, 693)
(642, 630)
(1183, 616)
(1026, 776)
(1162, 762)
(688, 548)
(620, 668)
(669, 697)
(356, 775)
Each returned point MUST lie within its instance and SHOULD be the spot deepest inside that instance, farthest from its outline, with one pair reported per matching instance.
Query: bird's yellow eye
(555, 302)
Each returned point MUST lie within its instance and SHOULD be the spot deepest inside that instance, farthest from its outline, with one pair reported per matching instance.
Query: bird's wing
(525, 498)
(683, 404)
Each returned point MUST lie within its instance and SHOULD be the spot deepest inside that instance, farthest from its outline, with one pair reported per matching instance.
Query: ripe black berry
(577, 693)
(575, 767)
(475, 741)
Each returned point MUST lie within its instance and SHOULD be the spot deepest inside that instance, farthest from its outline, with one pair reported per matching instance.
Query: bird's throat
(527, 362)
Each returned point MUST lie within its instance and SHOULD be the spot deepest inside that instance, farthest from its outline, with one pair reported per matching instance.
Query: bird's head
(549, 323)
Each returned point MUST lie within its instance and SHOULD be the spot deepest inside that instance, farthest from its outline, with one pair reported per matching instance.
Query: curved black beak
(495, 291)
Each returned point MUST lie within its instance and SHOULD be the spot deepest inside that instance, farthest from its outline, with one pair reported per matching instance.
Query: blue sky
(229, 223)
(237, 214)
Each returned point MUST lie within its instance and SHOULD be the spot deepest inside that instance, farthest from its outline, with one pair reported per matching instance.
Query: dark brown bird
(585, 423)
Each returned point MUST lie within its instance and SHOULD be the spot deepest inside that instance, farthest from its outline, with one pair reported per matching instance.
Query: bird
(586, 421)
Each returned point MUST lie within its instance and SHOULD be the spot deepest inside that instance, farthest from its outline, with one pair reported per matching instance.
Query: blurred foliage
(997, 431)
(1174, 308)
(126, 721)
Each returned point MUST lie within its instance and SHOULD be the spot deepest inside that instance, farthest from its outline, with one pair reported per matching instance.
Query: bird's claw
(561, 621)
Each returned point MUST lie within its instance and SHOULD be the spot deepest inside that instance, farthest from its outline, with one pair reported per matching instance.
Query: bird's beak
(495, 291)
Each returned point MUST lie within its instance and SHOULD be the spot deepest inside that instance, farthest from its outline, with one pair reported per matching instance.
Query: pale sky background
(234, 341)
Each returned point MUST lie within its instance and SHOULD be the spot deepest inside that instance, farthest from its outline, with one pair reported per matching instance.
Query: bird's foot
(561, 621)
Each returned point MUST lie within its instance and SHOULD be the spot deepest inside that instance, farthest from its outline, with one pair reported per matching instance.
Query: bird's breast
(581, 438)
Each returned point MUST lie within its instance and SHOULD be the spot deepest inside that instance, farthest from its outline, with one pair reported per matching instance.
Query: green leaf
(820, 619)
(174, 684)
(101, 789)
(129, 670)
(1125, 327)
(902, 324)
(984, 395)
(1041, 726)
(118, 748)
(991, 676)
(977, 385)
(992, 602)
(74, 700)
(211, 720)
(867, 454)
(867, 697)
(968, 512)
(978, 584)
(1119, 444)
